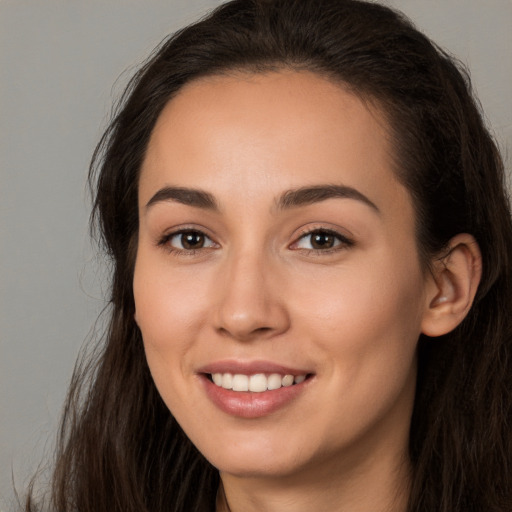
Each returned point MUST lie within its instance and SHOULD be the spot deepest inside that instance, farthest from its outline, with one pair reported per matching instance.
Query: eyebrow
(309, 195)
(187, 196)
(290, 199)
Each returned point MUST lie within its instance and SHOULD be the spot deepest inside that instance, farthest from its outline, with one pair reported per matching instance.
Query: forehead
(269, 132)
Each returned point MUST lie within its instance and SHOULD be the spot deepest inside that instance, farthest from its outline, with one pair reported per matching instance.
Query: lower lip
(246, 404)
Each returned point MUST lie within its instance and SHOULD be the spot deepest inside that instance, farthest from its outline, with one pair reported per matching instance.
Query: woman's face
(277, 246)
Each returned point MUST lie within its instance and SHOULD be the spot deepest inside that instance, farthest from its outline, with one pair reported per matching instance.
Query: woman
(311, 292)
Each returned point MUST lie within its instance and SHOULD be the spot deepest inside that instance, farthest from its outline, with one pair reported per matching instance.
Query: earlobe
(453, 285)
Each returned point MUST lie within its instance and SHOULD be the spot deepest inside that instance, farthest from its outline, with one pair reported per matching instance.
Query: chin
(242, 467)
(264, 459)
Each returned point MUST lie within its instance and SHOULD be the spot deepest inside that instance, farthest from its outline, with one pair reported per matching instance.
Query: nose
(252, 302)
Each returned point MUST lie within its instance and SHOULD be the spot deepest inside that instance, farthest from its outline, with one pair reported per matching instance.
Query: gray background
(58, 62)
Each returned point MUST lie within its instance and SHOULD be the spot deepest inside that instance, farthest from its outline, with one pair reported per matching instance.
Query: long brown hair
(120, 448)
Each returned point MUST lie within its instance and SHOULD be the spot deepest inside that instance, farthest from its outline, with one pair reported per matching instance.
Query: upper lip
(250, 368)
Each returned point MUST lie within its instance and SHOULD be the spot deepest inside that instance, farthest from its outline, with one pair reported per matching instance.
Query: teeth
(240, 382)
(227, 381)
(287, 380)
(256, 383)
(274, 381)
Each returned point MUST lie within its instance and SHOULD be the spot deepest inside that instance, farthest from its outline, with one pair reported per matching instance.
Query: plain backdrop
(59, 61)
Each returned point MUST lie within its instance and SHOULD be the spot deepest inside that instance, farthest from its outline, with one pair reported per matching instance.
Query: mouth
(255, 383)
(255, 389)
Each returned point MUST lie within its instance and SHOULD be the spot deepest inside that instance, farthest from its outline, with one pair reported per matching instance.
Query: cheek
(366, 317)
(167, 302)
(367, 330)
(369, 295)
(167, 320)
(169, 312)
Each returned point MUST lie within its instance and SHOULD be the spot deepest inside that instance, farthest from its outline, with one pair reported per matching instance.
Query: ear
(452, 286)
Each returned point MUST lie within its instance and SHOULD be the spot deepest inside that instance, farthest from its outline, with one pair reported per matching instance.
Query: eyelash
(164, 242)
(341, 242)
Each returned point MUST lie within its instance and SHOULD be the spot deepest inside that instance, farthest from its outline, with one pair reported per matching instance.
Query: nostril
(263, 330)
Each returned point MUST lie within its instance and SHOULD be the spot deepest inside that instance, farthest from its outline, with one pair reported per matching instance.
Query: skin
(257, 290)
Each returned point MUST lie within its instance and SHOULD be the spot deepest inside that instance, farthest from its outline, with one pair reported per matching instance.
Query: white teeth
(256, 383)
(240, 382)
(227, 381)
(274, 381)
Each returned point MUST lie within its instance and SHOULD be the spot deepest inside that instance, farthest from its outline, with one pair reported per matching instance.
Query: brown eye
(189, 240)
(322, 240)
(192, 240)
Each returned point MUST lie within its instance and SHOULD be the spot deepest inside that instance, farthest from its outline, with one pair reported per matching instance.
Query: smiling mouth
(256, 383)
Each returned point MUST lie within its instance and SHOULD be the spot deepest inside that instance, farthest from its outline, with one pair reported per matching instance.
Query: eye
(187, 240)
(322, 240)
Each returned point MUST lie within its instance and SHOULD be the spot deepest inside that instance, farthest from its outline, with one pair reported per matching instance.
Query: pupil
(322, 241)
(192, 240)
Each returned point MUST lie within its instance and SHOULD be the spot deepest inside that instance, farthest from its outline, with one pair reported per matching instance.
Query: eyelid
(163, 240)
(344, 240)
